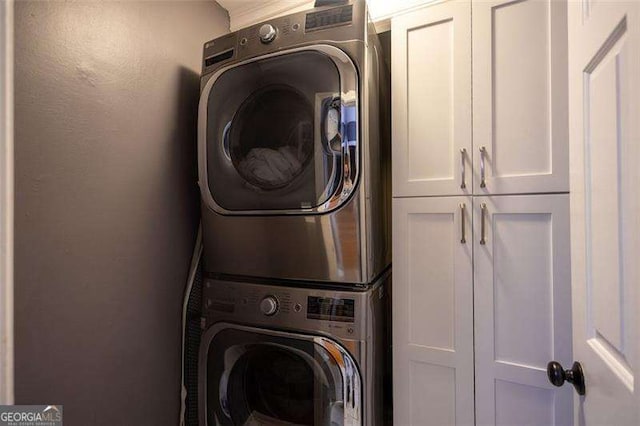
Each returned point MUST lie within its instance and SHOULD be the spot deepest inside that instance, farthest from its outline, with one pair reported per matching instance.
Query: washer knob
(269, 305)
(267, 33)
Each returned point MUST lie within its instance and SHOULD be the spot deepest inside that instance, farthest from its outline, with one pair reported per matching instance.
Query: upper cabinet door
(431, 86)
(520, 113)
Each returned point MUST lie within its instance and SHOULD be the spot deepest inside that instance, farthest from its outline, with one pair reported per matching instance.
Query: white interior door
(604, 78)
(522, 291)
(431, 101)
(432, 312)
(6, 202)
(520, 96)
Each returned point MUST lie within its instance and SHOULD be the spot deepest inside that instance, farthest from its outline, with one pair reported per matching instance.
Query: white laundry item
(259, 419)
(274, 167)
(336, 413)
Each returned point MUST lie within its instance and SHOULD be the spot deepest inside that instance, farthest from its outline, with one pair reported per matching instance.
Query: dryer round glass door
(278, 134)
(259, 377)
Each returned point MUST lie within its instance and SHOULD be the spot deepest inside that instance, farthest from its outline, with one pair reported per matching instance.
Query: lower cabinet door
(522, 292)
(432, 311)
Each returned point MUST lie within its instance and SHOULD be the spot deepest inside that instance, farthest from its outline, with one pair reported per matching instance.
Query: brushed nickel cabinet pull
(463, 153)
(483, 211)
(463, 239)
(483, 152)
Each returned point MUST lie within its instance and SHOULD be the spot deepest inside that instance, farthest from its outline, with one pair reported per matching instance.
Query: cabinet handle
(483, 212)
(483, 152)
(463, 239)
(463, 153)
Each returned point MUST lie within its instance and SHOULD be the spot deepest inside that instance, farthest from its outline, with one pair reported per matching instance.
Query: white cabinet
(519, 73)
(433, 311)
(520, 109)
(506, 274)
(522, 292)
(431, 106)
(501, 307)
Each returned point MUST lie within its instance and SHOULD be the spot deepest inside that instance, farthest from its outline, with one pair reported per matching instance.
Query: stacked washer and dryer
(294, 169)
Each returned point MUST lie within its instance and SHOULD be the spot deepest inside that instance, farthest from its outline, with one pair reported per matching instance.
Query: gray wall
(106, 203)
(385, 41)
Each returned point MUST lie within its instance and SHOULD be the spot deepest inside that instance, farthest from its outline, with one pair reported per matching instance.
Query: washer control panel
(337, 312)
(269, 305)
(331, 308)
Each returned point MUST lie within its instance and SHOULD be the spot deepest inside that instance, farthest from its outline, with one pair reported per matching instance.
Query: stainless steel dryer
(276, 355)
(294, 158)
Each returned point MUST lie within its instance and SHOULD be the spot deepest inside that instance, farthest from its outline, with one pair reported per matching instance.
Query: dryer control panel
(329, 18)
(343, 24)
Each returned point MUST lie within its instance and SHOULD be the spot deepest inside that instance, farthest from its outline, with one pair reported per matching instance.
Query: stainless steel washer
(294, 153)
(279, 355)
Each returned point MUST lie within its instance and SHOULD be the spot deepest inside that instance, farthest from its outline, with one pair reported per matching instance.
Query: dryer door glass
(275, 133)
(259, 379)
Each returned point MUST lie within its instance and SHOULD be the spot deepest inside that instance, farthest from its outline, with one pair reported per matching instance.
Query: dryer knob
(269, 305)
(267, 33)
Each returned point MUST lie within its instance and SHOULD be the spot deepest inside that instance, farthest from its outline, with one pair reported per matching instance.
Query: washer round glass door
(278, 134)
(262, 377)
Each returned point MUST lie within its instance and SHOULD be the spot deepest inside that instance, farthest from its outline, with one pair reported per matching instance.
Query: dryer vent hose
(191, 307)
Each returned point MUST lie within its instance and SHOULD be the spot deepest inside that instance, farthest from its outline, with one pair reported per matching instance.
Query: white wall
(384, 9)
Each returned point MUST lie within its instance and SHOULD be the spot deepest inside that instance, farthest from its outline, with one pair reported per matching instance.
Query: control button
(267, 33)
(295, 27)
(269, 305)
(297, 307)
(243, 41)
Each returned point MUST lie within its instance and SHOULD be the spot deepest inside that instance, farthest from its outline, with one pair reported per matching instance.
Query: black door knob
(558, 375)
